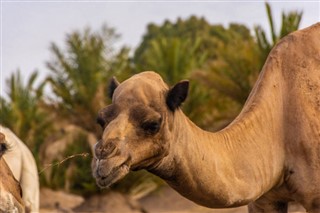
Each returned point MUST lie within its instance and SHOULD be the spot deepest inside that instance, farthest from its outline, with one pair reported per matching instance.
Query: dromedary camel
(10, 191)
(23, 166)
(268, 156)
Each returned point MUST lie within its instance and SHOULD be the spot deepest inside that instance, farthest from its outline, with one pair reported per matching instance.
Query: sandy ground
(164, 201)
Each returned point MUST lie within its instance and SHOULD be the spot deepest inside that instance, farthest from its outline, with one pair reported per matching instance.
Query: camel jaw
(116, 174)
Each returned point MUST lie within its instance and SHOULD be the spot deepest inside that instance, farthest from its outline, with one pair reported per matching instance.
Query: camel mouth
(114, 176)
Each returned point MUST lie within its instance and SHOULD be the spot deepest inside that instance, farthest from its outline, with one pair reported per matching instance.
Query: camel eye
(151, 127)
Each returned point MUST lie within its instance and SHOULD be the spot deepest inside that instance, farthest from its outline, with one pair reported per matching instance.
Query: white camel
(10, 190)
(23, 166)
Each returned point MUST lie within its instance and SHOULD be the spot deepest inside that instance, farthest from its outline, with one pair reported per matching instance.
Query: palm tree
(22, 111)
(229, 78)
(80, 76)
(192, 30)
(173, 58)
(236, 68)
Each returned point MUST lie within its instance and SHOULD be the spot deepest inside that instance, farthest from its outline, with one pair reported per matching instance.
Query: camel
(267, 157)
(10, 191)
(23, 166)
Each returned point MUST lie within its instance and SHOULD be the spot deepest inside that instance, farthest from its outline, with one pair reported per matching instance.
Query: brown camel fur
(268, 156)
(10, 191)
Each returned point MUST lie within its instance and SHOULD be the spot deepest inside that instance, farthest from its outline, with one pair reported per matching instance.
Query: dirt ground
(165, 200)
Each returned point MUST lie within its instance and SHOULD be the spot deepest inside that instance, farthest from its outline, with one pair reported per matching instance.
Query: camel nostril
(103, 151)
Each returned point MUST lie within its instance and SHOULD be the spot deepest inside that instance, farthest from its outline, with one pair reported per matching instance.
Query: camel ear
(113, 84)
(177, 95)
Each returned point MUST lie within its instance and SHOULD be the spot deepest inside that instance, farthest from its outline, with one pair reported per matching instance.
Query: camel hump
(295, 60)
(307, 39)
(298, 51)
(291, 73)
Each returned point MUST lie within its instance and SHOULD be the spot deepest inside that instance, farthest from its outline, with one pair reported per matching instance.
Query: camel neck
(217, 169)
(236, 165)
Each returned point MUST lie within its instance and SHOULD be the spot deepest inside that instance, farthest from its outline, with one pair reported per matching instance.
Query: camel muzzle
(105, 150)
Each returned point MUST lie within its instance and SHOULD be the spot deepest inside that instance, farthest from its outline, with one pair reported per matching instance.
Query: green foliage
(173, 58)
(81, 180)
(22, 111)
(74, 174)
(58, 177)
(121, 65)
(193, 31)
(80, 74)
(236, 68)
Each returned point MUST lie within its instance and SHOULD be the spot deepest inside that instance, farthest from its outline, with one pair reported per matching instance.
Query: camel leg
(263, 206)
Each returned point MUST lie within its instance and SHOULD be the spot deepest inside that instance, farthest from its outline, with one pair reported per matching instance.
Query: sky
(29, 27)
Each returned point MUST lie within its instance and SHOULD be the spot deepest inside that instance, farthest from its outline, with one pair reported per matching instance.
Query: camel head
(136, 126)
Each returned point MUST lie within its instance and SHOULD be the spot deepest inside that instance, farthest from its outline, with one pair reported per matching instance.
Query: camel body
(267, 157)
(10, 191)
(23, 166)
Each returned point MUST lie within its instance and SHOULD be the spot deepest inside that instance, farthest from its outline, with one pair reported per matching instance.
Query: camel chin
(106, 176)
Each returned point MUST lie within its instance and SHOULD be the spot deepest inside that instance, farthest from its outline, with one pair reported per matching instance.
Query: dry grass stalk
(64, 160)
